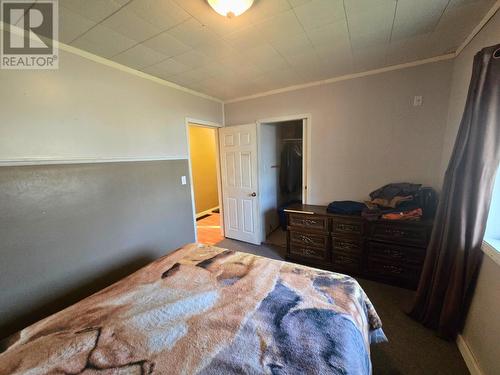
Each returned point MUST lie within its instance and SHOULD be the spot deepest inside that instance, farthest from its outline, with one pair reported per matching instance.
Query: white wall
(365, 132)
(482, 329)
(89, 110)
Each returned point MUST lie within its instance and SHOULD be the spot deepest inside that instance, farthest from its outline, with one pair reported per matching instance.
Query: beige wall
(365, 132)
(89, 110)
(203, 152)
(482, 329)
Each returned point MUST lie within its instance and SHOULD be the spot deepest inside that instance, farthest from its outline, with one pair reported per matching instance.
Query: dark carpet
(412, 349)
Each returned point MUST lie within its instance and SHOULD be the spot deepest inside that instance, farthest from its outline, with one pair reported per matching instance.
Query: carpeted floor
(412, 349)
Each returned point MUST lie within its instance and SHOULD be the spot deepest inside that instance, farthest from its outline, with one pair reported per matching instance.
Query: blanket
(206, 310)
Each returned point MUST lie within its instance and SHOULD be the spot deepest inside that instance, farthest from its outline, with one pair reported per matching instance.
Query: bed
(207, 310)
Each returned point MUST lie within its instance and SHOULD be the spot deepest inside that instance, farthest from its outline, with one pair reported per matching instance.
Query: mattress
(207, 310)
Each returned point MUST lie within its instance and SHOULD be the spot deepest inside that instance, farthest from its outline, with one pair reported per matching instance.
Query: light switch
(183, 180)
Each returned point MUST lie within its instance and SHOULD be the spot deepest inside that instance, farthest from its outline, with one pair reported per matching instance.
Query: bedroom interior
(250, 186)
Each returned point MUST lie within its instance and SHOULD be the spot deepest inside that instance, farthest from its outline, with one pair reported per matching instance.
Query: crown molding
(487, 17)
(479, 27)
(138, 73)
(118, 66)
(115, 65)
(344, 77)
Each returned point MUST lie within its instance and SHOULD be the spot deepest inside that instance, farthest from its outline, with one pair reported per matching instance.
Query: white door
(238, 152)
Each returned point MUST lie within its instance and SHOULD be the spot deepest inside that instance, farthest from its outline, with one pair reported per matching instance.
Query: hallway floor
(209, 229)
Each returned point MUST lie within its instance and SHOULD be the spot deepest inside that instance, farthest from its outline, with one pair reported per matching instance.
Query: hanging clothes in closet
(291, 167)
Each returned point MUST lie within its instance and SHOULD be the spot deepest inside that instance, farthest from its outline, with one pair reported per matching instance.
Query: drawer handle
(347, 227)
(346, 245)
(342, 259)
(393, 269)
(305, 251)
(306, 239)
(393, 253)
(308, 252)
(396, 232)
(308, 222)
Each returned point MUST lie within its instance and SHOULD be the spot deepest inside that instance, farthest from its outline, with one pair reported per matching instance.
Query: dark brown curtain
(454, 254)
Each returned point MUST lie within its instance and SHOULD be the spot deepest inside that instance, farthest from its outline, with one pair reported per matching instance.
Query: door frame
(306, 144)
(189, 121)
(258, 209)
(306, 160)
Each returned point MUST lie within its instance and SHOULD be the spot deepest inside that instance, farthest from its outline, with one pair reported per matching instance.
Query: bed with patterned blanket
(207, 310)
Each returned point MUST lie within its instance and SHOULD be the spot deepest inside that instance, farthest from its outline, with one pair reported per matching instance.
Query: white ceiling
(277, 43)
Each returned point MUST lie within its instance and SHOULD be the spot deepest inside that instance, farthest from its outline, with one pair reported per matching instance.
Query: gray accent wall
(67, 231)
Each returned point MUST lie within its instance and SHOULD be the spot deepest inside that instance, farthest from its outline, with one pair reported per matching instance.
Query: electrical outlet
(417, 101)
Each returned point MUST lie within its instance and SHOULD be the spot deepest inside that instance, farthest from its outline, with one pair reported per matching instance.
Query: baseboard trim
(207, 212)
(468, 356)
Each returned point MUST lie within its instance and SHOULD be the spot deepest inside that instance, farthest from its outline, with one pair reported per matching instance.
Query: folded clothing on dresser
(404, 215)
(396, 201)
(345, 208)
(401, 189)
(401, 201)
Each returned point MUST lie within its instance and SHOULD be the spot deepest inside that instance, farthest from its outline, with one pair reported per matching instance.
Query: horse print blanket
(211, 311)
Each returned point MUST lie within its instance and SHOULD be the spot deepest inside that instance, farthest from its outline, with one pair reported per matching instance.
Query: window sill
(491, 247)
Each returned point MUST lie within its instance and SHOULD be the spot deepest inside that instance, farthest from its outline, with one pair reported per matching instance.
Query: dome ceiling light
(230, 8)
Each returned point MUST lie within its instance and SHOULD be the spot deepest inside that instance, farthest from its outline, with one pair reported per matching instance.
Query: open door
(238, 152)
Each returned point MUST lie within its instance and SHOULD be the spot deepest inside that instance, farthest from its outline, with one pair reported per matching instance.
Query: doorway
(204, 156)
(282, 171)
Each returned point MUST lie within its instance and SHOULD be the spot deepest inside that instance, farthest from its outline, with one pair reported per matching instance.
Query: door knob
(254, 194)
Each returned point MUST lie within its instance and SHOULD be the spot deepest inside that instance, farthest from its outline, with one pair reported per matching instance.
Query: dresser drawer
(309, 239)
(314, 222)
(395, 254)
(307, 252)
(407, 276)
(349, 246)
(398, 232)
(346, 262)
(354, 227)
(385, 269)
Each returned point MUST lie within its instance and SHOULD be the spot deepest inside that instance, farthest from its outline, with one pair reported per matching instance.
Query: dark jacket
(291, 168)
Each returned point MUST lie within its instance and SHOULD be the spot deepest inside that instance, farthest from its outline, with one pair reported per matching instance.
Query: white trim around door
(306, 166)
(306, 162)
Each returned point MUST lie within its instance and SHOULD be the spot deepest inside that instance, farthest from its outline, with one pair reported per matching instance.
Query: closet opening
(282, 167)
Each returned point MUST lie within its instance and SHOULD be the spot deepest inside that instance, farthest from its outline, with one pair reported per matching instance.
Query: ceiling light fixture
(230, 8)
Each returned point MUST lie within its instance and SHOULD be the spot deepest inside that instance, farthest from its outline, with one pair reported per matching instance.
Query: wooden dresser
(382, 250)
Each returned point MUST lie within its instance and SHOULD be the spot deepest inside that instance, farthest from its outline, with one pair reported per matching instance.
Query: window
(492, 235)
